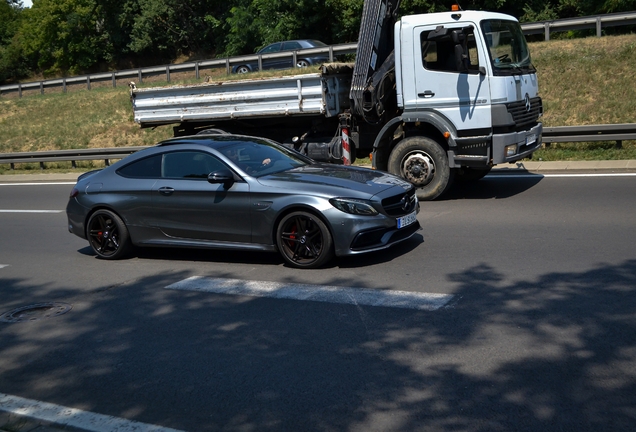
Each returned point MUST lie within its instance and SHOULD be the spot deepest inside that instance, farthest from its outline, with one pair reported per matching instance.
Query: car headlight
(354, 206)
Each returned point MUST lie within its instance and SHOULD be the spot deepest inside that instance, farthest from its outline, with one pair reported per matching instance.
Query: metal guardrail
(589, 133)
(105, 154)
(582, 23)
(598, 22)
(196, 67)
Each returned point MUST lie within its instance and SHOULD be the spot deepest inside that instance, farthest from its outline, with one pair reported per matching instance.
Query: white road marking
(38, 184)
(73, 418)
(31, 211)
(4, 265)
(319, 293)
(535, 175)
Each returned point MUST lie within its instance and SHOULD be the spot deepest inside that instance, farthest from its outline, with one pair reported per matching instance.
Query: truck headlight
(354, 206)
(511, 150)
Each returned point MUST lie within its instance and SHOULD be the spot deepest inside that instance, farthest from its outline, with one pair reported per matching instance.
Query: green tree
(66, 36)
(12, 63)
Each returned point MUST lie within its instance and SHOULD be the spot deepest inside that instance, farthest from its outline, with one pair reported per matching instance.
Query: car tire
(423, 162)
(304, 241)
(302, 63)
(242, 69)
(108, 235)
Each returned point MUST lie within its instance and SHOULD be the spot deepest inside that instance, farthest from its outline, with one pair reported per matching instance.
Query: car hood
(334, 180)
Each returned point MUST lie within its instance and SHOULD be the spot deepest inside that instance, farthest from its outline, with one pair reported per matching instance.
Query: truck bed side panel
(298, 95)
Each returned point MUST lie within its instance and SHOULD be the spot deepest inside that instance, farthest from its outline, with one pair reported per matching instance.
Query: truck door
(457, 90)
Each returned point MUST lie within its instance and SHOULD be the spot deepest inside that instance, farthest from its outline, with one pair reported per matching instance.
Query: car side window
(149, 167)
(271, 48)
(291, 46)
(189, 165)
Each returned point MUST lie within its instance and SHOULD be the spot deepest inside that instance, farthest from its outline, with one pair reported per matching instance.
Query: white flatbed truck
(433, 98)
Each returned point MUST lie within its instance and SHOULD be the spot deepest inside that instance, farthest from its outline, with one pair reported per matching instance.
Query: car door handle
(166, 190)
(426, 94)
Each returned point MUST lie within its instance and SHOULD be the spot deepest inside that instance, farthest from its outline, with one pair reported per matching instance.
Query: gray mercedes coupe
(243, 193)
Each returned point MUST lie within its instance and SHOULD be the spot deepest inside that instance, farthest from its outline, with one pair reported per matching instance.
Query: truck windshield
(509, 53)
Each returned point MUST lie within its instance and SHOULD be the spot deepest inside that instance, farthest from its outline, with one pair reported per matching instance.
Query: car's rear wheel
(302, 63)
(242, 69)
(304, 240)
(108, 235)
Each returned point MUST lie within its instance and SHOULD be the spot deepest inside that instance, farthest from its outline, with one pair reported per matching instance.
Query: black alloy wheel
(108, 235)
(304, 240)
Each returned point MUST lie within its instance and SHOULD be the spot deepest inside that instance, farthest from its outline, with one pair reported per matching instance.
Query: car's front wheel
(108, 235)
(302, 63)
(304, 240)
(242, 69)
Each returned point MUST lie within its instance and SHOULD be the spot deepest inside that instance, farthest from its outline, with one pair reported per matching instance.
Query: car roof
(213, 141)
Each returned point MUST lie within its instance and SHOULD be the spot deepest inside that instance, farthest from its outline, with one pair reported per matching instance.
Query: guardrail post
(12, 166)
(330, 53)
(619, 144)
(168, 73)
(598, 26)
(140, 76)
(260, 63)
(73, 164)
(63, 85)
(41, 87)
(41, 165)
(19, 93)
(547, 31)
(294, 59)
(196, 70)
(107, 162)
(227, 66)
(88, 83)
(114, 81)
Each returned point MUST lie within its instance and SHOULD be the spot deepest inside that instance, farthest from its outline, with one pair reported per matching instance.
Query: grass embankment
(582, 81)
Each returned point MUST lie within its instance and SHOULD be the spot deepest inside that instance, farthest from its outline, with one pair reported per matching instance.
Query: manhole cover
(35, 312)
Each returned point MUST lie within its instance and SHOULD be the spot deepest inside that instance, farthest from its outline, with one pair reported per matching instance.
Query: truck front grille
(524, 117)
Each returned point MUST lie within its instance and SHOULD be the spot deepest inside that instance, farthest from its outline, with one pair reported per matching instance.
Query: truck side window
(439, 55)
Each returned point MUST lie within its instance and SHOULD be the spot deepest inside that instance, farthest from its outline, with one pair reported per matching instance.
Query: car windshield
(262, 158)
(509, 51)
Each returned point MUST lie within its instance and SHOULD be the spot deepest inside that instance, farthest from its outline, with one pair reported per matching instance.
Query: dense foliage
(66, 37)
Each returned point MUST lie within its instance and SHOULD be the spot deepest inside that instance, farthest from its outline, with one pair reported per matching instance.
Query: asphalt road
(539, 334)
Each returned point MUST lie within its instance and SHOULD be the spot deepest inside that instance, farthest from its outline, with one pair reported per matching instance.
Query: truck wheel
(471, 174)
(424, 163)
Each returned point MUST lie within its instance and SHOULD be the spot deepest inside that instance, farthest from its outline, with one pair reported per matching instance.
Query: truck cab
(464, 80)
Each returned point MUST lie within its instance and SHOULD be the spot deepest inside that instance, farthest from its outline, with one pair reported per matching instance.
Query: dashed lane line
(31, 211)
(72, 418)
(318, 293)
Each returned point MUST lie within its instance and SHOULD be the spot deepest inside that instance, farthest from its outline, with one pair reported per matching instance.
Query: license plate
(530, 139)
(406, 220)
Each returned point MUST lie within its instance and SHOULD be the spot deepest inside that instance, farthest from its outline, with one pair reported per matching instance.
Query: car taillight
(74, 193)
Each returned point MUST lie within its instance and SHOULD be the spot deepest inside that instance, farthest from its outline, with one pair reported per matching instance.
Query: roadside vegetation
(582, 81)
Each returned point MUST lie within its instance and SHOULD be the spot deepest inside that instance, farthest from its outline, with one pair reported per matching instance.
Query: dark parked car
(242, 193)
(286, 62)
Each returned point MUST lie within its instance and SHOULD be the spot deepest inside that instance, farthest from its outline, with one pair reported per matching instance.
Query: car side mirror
(224, 176)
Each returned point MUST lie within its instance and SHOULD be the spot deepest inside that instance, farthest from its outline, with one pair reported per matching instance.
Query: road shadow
(555, 353)
(493, 186)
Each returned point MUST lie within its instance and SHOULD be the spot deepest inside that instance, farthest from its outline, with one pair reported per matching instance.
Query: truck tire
(423, 162)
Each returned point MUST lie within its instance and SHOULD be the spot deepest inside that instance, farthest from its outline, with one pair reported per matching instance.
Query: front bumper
(526, 143)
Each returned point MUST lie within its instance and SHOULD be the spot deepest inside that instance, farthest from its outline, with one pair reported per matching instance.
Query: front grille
(522, 116)
(401, 204)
